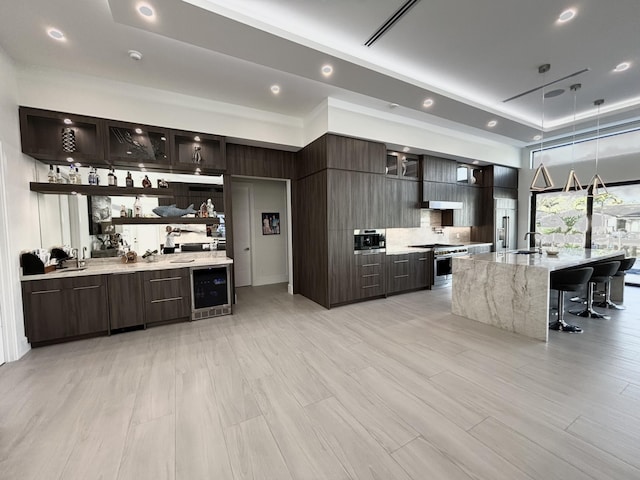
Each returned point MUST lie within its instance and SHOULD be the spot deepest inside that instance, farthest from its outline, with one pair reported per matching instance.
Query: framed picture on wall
(271, 223)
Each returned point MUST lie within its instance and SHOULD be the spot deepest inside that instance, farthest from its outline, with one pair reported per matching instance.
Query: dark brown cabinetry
(126, 308)
(370, 275)
(166, 295)
(355, 199)
(409, 271)
(142, 146)
(197, 152)
(55, 137)
(403, 165)
(440, 170)
(353, 154)
(259, 162)
(64, 308)
(402, 209)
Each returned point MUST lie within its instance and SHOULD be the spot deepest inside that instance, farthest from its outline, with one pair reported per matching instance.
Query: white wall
(270, 252)
(18, 212)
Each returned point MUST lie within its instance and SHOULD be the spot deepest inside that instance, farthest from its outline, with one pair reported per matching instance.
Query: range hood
(442, 205)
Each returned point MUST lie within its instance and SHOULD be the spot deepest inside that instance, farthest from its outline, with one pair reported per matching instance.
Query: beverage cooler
(210, 292)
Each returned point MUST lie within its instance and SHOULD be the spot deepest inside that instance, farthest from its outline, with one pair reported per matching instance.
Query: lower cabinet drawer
(167, 295)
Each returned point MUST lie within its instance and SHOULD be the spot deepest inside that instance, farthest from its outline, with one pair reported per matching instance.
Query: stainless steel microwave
(369, 240)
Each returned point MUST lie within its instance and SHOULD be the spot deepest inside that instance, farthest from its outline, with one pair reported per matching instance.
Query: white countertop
(570, 257)
(404, 249)
(116, 266)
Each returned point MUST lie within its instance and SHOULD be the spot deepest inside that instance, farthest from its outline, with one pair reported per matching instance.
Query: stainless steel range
(442, 261)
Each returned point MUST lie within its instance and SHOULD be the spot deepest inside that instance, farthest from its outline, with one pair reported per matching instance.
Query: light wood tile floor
(388, 389)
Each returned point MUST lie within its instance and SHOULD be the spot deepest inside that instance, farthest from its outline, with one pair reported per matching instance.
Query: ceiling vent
(391, 21)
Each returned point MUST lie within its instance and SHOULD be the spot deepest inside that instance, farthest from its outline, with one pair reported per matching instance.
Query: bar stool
(568, 281)
(602, 273)
(625, 265)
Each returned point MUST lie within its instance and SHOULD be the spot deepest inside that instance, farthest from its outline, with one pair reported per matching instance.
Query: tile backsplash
(430, 231)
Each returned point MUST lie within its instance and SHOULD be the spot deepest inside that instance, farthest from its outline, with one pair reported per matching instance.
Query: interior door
(241, 198)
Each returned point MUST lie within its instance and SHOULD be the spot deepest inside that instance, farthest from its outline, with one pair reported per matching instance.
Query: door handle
(246, 249)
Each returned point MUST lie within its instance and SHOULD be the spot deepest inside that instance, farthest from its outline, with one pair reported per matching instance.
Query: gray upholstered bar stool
(602, 273)
(570, 280)
(625, 265)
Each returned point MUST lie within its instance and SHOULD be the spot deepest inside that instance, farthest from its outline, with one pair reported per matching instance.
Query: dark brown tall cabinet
(340, 187)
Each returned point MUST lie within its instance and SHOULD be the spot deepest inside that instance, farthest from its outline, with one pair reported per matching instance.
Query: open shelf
(97, 190)
(163, 220)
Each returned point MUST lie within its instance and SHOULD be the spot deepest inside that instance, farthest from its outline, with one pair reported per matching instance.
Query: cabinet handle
(400, 261)
(370, 286)
(371, 265)
(371, 275)
(423, 259)
(87, 288)
(40, 292)
(166, 300)
(165, 279)
(400, 276)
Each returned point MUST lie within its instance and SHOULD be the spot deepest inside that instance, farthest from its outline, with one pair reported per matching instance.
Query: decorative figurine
(203, 210)
(146, 183)
(211, 209)
(68, 137)
(162, 183)
(197, 156)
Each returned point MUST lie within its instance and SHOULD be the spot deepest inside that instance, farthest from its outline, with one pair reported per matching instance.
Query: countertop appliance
(442, 261)
(210, 292)
(369, 240)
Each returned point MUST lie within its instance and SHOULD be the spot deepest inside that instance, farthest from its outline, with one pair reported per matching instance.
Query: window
(561, 218)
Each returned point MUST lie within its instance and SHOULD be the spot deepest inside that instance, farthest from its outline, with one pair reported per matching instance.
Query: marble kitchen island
(511, 291)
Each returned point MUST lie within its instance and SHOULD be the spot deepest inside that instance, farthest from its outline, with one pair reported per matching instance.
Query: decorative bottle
(51, 176)
(78, 178)
(92, 176)
(72, 174)
(112, 181)
(123, 211)
(137, 208)
(95, 170)
(146, 183)
(59, 178)
(129, 180)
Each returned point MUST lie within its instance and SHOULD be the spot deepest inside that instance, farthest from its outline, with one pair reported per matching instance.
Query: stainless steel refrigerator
(505, 228)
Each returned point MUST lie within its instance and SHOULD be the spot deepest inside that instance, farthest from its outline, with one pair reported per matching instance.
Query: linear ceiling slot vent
(391, 21)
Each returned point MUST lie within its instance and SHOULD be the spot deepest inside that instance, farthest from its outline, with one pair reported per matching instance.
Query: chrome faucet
(537, 242)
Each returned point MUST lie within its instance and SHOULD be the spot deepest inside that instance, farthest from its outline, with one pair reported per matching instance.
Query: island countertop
(511, 291)
(116, 266)
(566, 258)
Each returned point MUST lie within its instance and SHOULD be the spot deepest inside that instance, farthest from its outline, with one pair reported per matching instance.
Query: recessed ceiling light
(621, 67)
(427, 103)
(146, 11)
(67, 121)
(326, 70)
(537, 137)
(70, 159)
(135, 55)
(567, 15)
(554, 93)
(138, 131)
(196, 138)
(78, 164)
(164, 139)
(476, 162)
(141, 165)
(393, 105)
(275, 89)
(55, 34)
(406, 149)
(492, 123)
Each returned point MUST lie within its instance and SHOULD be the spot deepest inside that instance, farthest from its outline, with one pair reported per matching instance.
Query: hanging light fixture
(541, 172)
(572, 180)
(596, 181)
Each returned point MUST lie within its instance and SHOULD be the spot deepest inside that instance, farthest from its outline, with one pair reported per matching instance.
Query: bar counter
(511, 291)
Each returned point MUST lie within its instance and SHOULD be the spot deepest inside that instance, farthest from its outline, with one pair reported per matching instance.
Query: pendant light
(596, 181)
(541, 172)
(572, 180)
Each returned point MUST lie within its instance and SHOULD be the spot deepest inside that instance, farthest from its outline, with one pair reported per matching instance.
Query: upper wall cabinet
(357, 155)
(441, 170)
(402, 165)
(133, 144)
(197, 152)
(56, 137)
